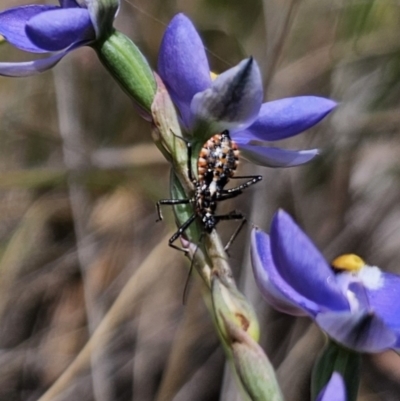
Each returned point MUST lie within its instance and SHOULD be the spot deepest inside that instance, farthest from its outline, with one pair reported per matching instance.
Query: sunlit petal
(183, 64)
(274, 289)
(13, 22)
(234, 99)
(302, 266)
(335, 390)
(287, 117)
(361, 331)
(58, 29)
(275, 157)
(385, 300)
(27, 68)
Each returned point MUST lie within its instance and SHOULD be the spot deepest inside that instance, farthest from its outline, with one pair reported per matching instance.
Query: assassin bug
(216, 165)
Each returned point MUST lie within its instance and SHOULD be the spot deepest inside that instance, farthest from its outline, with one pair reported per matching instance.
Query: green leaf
(337, 358)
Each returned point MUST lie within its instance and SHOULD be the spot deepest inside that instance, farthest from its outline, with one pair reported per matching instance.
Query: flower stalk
(234, 317)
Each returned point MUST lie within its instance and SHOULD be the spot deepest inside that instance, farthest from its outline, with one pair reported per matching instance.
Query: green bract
(129, 68)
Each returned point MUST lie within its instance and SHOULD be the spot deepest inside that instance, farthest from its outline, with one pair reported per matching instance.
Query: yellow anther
(213, 75)
(348, 262)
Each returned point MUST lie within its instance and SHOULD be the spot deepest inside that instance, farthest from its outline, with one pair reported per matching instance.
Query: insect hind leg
(234, 215)
(235, 234)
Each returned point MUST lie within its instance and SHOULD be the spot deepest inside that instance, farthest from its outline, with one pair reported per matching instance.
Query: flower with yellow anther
(357, 305)
(210, 103)
(213, 75)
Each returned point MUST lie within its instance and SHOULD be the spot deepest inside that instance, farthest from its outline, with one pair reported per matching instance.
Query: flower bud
(231, 306)
(253, 368)
(129, 68)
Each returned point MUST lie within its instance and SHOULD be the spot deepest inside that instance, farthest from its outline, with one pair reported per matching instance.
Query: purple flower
(54, 29)
(335, 389)
(355, 304)
(233, 100)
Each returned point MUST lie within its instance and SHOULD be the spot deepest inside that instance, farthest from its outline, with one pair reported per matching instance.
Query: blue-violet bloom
(54, 29)
(357, 305)
(335, 389)
(233, 100)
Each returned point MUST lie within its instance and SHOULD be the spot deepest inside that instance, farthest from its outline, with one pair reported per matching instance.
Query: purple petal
(302, 266)
(361, 331)
(244, 136)
(234, 99)
(102, 14)
(360, 300)
(271, 285)
(182, 64)
(275, 157)
(30, 67)
(335, 390)
(13, 23)
(385, 300)
(288, 117)
(59, 29)
(68, 3)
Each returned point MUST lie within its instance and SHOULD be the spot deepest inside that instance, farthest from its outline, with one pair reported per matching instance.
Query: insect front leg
(252, 179)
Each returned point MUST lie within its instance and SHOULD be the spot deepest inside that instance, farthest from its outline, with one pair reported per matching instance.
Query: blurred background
(80, 252)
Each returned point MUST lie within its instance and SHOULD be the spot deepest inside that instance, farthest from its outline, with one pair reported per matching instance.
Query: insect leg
(189, 161)
(235, 234)
(253, 180)
(234, 215)
(169, 202)
(180, 231)
(233, 192)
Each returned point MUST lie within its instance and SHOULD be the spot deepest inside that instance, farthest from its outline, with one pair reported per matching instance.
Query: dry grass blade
(295, 381)
(193, 331)
(25, 242)
(130, 296)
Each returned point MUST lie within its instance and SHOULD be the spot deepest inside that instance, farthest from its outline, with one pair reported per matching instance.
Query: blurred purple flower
(358, 306)
(48, 28)
(233, 100)
(335, 390)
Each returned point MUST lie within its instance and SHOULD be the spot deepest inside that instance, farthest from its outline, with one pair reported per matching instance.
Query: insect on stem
(216, 165)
